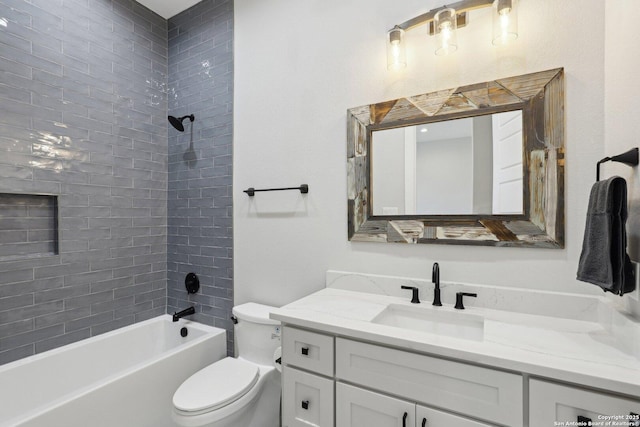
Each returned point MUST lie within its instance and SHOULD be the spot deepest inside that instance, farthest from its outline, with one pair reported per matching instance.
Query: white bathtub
(123, 378)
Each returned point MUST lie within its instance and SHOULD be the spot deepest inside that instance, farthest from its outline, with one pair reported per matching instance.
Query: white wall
(299, 65)
(622, 109)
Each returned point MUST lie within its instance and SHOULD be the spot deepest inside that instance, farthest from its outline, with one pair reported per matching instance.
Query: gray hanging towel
(604, 260)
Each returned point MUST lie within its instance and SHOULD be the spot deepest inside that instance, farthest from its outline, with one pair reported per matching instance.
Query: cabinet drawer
(429, 417)
(307, 399)
(308, 350)
(483, 393)
(550, 403)
(356, 407)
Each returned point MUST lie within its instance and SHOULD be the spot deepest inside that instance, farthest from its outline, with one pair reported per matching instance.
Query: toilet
(236, 392)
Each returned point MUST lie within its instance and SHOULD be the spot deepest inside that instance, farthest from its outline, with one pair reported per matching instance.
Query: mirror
(412, 173)
(481, 164)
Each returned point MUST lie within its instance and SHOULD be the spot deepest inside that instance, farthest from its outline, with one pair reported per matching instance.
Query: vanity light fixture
(443, 23)
(396, 55)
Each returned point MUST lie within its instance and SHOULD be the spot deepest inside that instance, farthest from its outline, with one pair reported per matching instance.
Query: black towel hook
(628, 158)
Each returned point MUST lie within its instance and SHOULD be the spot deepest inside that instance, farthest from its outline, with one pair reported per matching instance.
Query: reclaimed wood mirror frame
(540, 96)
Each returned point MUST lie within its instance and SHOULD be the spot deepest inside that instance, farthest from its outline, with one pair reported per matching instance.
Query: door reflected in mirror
(469, 166)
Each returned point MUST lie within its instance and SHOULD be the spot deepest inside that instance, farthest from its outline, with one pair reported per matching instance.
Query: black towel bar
(304, 189)
(628, 158)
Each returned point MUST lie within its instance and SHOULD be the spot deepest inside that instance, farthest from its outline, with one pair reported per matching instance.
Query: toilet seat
(215, 386)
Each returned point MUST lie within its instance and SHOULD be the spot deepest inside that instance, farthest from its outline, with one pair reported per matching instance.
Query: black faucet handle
(459, 297)
(414, 295)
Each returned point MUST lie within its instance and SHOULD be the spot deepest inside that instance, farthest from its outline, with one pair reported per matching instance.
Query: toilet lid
(216, 385)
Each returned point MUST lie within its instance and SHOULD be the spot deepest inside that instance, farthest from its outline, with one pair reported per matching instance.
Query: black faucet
(459, 296)
(414, 294)
(435, 279)
(186, 312)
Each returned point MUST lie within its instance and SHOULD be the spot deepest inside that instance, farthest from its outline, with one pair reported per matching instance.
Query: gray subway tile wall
(83, 103)
(200, 236)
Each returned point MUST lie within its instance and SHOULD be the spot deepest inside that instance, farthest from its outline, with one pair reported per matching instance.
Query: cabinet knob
(305, 404)
(305, 351)
(424, 422)
(404, 419)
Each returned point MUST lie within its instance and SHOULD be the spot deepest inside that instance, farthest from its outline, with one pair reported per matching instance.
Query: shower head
(177, 122)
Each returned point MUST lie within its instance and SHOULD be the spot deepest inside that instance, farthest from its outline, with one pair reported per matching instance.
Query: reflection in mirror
(469, 166)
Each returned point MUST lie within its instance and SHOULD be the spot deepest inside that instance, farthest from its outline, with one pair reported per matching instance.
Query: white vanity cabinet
(376, 386)
(340, 382)
(550, 403)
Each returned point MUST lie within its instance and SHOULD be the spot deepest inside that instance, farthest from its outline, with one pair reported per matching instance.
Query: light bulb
(395, 50)
(446, 36)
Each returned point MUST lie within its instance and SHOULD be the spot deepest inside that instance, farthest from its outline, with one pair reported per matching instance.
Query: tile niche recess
(28, 226)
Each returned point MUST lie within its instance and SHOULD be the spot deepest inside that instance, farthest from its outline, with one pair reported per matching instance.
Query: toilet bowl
(236, 392)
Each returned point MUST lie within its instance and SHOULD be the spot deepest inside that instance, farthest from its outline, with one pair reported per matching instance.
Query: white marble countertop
(580, 351)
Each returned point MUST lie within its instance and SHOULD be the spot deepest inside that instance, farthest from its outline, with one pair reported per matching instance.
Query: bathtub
(125, 378)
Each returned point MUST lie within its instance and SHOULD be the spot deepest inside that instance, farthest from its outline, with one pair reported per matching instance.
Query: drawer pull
(305, 351)
(404, 420)
(584, 421)
(305, 404)
(424, 422)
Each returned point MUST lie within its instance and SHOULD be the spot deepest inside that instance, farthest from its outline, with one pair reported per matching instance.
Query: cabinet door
(429, 417)
(356, 407)
(554, 403)
(307, 399)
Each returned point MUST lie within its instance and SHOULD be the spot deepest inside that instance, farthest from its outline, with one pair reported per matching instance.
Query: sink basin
(433, 320)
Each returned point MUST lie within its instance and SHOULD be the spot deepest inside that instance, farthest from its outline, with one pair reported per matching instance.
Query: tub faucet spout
(186, 312)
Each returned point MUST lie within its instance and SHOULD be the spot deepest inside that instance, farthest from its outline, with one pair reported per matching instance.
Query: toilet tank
(256, 336)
